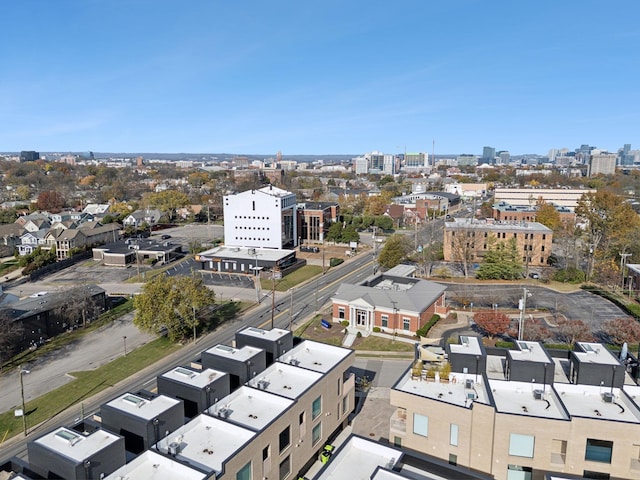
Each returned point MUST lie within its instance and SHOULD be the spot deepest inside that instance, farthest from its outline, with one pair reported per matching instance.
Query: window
(420, 424)
(453, 459)
(453, 435)
(316, 433)
(521, 445)
(266, 452)
(516, 472)
(544, 236)
(339, 385)
(244, 473)
(542, 248)
(341, 312)
(406, 323)
(316, 408)
(397, 442)
(596, 475)
(598, 450)
(301, 418)
(285, 439)
(384, 321)
(285, 468)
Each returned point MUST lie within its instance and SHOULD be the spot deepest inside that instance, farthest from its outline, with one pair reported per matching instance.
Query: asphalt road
(305, 300)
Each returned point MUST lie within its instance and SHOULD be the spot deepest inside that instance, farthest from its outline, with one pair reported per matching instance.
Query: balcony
(398, 421)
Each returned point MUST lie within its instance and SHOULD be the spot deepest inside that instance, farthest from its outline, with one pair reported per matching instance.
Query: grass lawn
(9, 266)
(294, 278)
(381, 344)
(312, 330)
(86, 384)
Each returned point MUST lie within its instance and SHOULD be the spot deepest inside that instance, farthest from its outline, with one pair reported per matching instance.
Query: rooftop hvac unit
(262, 384)
(607, 397)
(174, 448)
(537, 394)
(294, 361)
(471, 395)
(223, 412)
(468, 383)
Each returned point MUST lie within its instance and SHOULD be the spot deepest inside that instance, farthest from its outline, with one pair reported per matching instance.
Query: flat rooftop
(316, 356)
(529, 399)
(243, 253)
(286, 380)
(595, 353)
(157, 467)
(240, 354)
(530, 352)
(141, 407)
(74, 445)
(250, 408)
(206, 443)
(473, 224)
(496, 366)
(452, 390)
(358, 459)
(588, 401)
(195, 378)
(468, 346)
(274, 334)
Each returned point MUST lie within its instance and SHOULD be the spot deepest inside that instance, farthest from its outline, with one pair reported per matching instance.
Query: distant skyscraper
(505, 157)
(415, 160)
(625, 157)
(488, 155)
(602, 163)
(583, 154)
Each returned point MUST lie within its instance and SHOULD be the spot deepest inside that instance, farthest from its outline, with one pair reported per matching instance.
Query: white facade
(264, 218)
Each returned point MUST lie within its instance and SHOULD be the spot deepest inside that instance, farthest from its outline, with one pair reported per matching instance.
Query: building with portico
(395, 304)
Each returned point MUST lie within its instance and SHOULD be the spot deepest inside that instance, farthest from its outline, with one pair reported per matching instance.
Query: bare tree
(11, 334)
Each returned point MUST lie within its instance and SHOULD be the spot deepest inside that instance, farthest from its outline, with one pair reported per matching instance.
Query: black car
(165, 237)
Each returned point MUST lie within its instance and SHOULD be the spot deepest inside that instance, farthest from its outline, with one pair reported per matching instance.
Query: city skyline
(330, 78)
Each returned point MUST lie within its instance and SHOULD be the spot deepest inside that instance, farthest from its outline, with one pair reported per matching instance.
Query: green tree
(395, 249)
(384, 222)
(501, 262)
(548, 216)
(167, 201)
(335, 232)
(172, 303)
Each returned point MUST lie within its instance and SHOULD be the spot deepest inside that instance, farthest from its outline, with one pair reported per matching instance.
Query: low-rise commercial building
(394, 304)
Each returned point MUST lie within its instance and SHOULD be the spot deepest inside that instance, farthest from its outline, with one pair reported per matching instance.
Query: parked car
(165, 237)
(534, 275)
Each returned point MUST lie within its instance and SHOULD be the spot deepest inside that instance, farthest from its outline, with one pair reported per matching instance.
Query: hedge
(422, 332)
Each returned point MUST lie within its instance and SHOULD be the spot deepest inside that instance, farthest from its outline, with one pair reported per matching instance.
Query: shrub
(376, 330)
(345, 323)
(569, 275)
(334, 262)
(503, 344)
(422, 332)
(359, 334)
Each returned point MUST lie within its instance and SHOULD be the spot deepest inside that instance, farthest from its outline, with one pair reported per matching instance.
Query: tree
(50, 201)
(167, 201)
(548, 216)
(572, 331)
(11, 334)
(612, 225)
(492, 322)
(501, 262)
(79, 308)
(384, 222)
(622, 330)
(335, 232)
(535, 331)
(463, 247)
(172, 304)
(395, 249)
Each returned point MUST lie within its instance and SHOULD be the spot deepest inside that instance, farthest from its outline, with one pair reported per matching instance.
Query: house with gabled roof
(29, 241)
(139, 217)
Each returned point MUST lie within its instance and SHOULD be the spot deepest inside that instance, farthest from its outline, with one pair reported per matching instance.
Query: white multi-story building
(264, 218)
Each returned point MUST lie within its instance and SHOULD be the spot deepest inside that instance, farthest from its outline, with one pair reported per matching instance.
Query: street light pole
(124, 339)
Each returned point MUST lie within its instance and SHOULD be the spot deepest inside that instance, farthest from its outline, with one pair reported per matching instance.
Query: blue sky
(318, 77)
